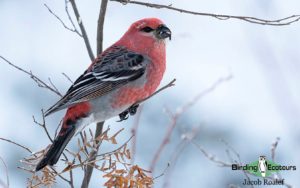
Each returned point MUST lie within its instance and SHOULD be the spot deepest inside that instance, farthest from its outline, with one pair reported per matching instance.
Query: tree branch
(100, 26)
(84, 34)
(43, 125)
(179, 112)
(170, 84)
(89, 168)
(92, 156)
(19, 145)
(278, 22)
(63, 24)
(186, 138)
(69, 16)
(134, 132)
(39, 82)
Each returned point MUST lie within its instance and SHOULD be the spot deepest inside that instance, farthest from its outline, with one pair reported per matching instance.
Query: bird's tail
(58, 146)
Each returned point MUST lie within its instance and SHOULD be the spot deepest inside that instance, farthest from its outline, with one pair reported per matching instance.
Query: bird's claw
(124, 115)
(130, 111)
(133, 109)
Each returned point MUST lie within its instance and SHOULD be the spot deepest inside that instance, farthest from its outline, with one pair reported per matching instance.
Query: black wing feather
(111, 70)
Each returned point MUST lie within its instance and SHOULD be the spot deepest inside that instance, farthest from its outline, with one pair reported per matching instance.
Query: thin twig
(43, 125)
(83, 32)
(6, 172)
(70, 18)
(21, 146)
(210, 156)
(239, 161)
(63, 178)
(134, 132)
(39, 82)
(163, 173)
(71, 179)
(68, 78)
(165, 141)
(63, 24)
(278, 22)
(186, 137)
(170, 84)
(53, 86)
(247, 174)
(179, 112)
(83, 139)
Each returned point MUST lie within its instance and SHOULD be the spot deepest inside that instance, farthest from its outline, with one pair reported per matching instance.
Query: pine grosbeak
(128, 71)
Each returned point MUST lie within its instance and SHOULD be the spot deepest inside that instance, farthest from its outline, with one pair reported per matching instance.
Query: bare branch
(163, 173)
(68, 181)
(84, 34)
(68, 78)
(63, 24)
(179, 112)
(170, 84)
(163, 144)
(211, 157)
(83, 139)
(277, 22)
(43, 125)
(100, 26)
(6, 173)
(93, 154)
(186, 138)
(39, 82)
(69, 16)
(238, 161)
(89, 169)
(71, 182)
(21, 146)
(53, 86)
(134, 132)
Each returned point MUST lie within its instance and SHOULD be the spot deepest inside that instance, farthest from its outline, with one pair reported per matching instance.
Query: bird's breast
(132, 92)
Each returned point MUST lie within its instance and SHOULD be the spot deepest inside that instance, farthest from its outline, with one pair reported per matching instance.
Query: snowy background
(260, 103)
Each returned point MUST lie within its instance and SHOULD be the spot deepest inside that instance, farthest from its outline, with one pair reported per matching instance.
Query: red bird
(125, 73)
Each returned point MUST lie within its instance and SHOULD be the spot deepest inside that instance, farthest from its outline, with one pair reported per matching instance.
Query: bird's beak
(163, 32)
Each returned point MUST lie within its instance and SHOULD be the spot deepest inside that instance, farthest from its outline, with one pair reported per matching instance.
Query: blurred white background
(260, 103)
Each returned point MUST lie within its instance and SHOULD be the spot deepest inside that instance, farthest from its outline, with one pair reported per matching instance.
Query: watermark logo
(263, 168)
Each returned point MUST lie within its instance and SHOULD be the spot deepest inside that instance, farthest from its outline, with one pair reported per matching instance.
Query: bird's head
(149, 29)
(262, 158)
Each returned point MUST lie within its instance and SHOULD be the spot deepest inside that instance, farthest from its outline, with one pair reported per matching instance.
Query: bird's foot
(124, 115)
(133, 109)
(130, 111)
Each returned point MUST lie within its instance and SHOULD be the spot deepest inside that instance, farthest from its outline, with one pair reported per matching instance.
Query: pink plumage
(128, 71)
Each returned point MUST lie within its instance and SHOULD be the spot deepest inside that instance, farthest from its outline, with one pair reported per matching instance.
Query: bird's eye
(147, 29)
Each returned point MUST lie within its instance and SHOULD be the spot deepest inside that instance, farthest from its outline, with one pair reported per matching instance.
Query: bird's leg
(133, 109)
(124, 115)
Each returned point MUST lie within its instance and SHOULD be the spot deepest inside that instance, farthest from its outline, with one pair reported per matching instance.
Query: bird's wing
(112, 69)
